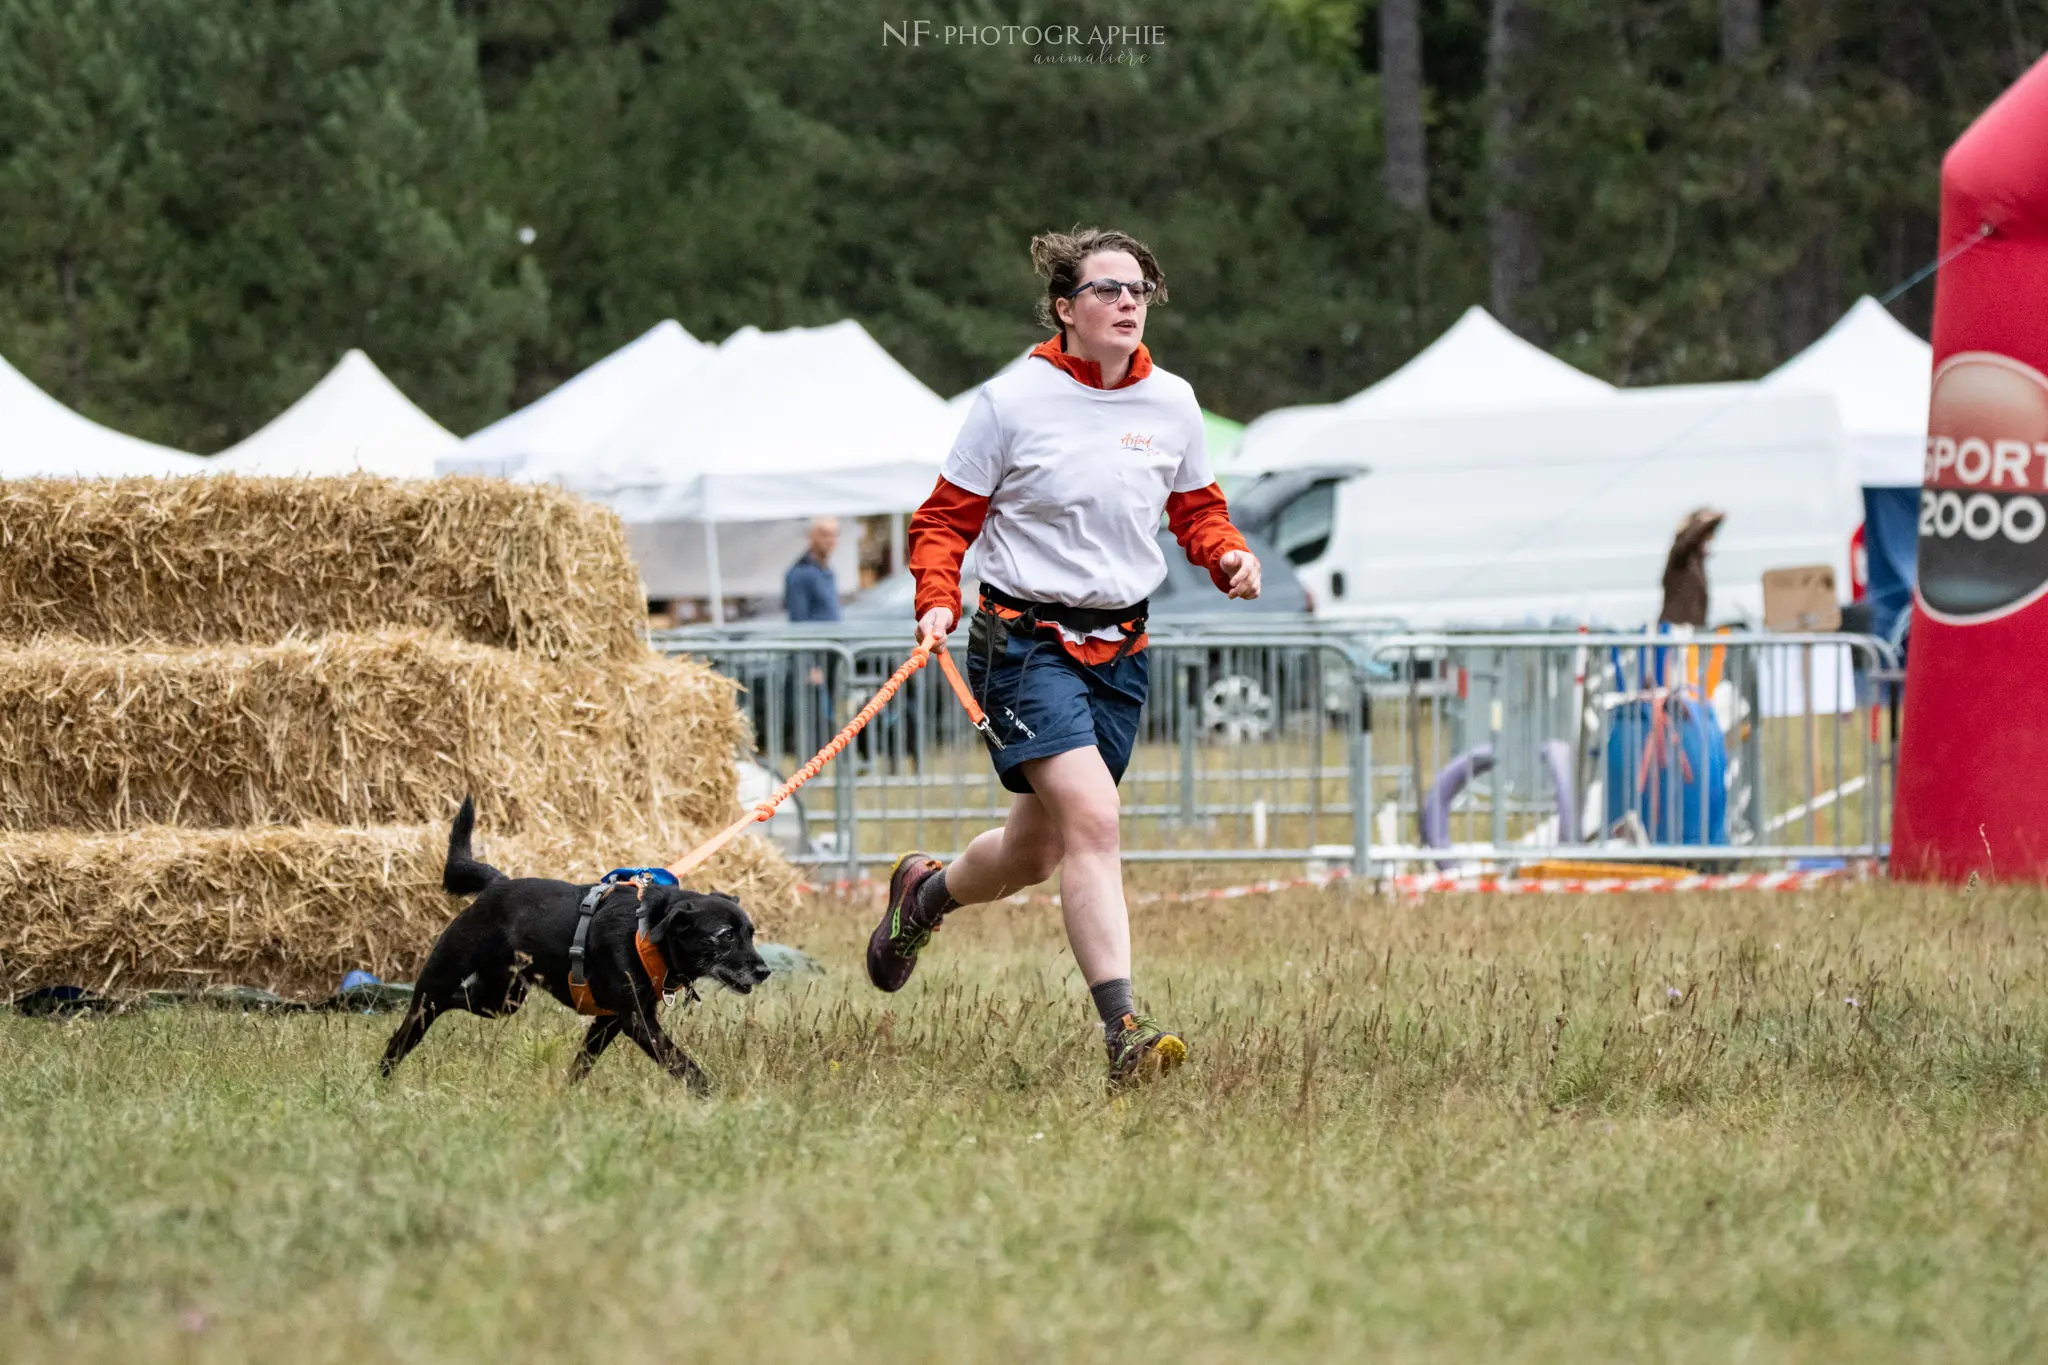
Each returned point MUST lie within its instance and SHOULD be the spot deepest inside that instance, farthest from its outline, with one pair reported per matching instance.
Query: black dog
(518, 932)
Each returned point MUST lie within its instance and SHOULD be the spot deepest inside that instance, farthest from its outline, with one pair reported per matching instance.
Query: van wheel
(1235, 708)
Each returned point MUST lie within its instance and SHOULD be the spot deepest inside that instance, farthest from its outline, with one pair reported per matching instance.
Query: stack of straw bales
(237, 714)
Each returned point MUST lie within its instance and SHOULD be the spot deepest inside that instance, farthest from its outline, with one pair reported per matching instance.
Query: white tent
(1531, 515)
(1477, 364)
(773, 426)
(564, 428)
(962, 402)
(567, 423)
(41, 438)
(1880, 376)
(675, 557)
(803, 422)
(353, 420)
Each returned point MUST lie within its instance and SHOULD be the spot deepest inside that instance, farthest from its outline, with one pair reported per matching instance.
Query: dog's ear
(739, 911)
(662, 906)
(672, 913)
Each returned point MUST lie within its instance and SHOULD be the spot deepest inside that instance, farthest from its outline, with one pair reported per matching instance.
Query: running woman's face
(1105, 331)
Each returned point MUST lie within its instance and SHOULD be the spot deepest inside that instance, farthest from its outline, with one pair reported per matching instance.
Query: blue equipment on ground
(1667, 763)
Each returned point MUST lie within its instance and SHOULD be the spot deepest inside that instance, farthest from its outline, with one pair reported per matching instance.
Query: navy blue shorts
(1041, 701)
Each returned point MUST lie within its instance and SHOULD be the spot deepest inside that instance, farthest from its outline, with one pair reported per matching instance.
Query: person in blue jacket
(811, 593)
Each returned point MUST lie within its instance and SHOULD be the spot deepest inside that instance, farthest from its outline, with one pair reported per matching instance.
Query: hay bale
(222, 559)
(239, 712)
(360, 729)
(289, 908)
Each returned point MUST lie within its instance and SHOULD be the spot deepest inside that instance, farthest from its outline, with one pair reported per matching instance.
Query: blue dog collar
(655, 876)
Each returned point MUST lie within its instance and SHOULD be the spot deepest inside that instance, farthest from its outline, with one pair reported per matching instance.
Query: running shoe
(1140, 1050)
(897, 940)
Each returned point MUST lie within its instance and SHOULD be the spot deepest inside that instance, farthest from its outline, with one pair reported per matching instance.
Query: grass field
(1763, 1128)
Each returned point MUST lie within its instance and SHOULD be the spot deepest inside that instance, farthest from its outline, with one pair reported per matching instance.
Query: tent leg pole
(898, 557)
(717, 584)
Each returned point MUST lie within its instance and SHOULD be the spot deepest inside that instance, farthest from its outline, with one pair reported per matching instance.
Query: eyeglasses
(1109, 291)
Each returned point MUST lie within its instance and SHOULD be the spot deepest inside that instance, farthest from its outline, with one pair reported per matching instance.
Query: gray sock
(1113, 1000)
(932, 902)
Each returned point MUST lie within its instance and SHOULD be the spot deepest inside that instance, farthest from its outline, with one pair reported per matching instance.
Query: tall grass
(1620, 1128)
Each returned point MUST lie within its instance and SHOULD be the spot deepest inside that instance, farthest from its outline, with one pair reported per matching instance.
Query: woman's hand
(934, 624)
(1243, 568)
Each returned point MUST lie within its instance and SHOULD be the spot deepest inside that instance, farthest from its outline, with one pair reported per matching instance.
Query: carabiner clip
(975, 715)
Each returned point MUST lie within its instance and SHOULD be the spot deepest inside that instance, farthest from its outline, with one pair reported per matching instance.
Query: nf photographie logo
(1124, 44)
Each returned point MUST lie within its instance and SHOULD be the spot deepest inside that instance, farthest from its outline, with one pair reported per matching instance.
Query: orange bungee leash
(919, 657)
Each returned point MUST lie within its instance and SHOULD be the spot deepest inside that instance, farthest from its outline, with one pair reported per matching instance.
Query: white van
(1554, 515)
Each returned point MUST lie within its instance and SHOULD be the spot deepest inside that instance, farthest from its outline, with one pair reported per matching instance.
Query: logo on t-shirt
(1133, 441)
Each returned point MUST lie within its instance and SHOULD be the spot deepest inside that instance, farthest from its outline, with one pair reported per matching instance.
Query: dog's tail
(464, 875)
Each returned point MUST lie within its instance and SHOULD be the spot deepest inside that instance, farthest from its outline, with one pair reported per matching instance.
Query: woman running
(1063, 469)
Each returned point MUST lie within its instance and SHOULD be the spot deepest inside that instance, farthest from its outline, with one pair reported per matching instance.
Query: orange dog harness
(650, 953)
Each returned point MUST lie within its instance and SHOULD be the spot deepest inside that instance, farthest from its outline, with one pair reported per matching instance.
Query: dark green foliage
(206, 202)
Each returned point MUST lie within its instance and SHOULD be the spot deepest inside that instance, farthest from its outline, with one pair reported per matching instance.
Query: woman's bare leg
(1076, 791)
(996, 863)
(1069, 824)
(1023, 851)
(1079, 794)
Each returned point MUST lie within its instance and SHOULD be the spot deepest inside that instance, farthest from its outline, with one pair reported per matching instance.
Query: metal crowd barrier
(1383, 752)
(1702, 750)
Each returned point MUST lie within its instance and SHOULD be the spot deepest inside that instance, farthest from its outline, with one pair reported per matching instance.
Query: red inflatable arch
(1973, 758)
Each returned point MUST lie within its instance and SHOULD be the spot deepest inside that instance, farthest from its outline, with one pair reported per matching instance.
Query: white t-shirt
(1077, 479)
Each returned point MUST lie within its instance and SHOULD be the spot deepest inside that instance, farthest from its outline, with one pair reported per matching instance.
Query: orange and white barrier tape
(1435, 885)
(1585, 886)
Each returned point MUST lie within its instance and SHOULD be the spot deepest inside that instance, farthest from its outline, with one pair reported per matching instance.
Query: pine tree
(253, 189)
(207, 201)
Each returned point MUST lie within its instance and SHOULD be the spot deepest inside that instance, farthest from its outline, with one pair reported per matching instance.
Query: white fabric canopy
(569, 421)
(964, 400)
(1795, 679)
(353, 420)
(1566, 512)
(805, 422)
(1881, 377)
(41, 438)
(1477, 364)
(674, 558)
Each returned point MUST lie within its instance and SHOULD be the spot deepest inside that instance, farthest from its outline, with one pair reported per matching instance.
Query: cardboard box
(1801, 599)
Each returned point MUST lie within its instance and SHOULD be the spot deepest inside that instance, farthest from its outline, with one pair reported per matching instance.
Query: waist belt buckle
(1132, 629)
